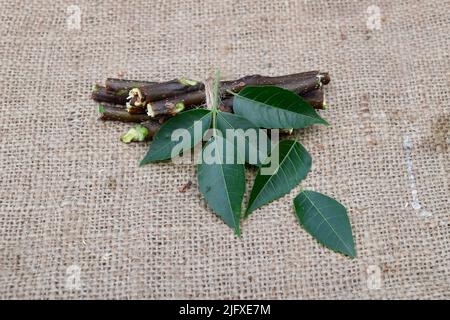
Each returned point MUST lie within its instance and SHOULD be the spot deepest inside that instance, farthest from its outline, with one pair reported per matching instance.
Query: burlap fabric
(80, 219)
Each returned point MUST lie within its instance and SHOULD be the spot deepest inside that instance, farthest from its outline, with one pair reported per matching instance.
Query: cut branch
(111, 112)
(184, 90)
(101, 94)
(300, 83)
(152, 127)
(164, 90)
(316, 99)
(123, 85)
(118, 113)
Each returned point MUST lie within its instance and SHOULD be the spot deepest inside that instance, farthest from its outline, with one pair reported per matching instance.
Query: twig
(303, 84)
(124, 86)
(158, 91)
(119, 113)
(111, 112)
(316, 99)
(100, 94)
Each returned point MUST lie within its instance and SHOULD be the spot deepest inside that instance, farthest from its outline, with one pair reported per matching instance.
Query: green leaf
(274, 107)
(162, 146)
(249, 139)
(222, 184)
(293, 164)
(326, 220)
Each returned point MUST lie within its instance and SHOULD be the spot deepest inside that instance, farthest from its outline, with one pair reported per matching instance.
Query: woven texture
(80, 219)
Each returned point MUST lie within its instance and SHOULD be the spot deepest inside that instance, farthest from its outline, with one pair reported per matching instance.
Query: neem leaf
(274, 107)
(250, 137)
(293, 164)
(162, 146)
(222, 183)
(326, 220)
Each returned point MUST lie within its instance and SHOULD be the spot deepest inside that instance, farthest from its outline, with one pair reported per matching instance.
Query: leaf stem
(215, 100)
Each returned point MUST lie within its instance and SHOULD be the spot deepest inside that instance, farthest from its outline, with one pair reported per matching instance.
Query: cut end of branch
(139, 98)
(325, 103)
(178, 107)
(324, 77)
(150, 111)
(319, 81)
(138, 133)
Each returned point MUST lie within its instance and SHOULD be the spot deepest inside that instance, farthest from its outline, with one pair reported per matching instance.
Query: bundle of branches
(258, 102)
(152, 103)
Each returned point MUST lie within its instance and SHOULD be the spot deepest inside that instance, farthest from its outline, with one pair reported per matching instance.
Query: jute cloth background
(80, 219)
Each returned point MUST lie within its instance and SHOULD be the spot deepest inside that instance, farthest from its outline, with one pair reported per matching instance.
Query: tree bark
(316, 99)
(113, 112)
(119, 113)
(299, 83)
(101, 94)
(124, 85)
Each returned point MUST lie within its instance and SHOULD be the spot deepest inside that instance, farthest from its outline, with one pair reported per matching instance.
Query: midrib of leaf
(228, 197)
(215, 101)
(268, 106)
(332, 217)
(214, 124)
(279, 166)
(326, 220)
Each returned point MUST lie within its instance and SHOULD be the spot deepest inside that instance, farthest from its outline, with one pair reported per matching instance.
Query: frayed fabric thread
(415, 203)
(209, 92)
